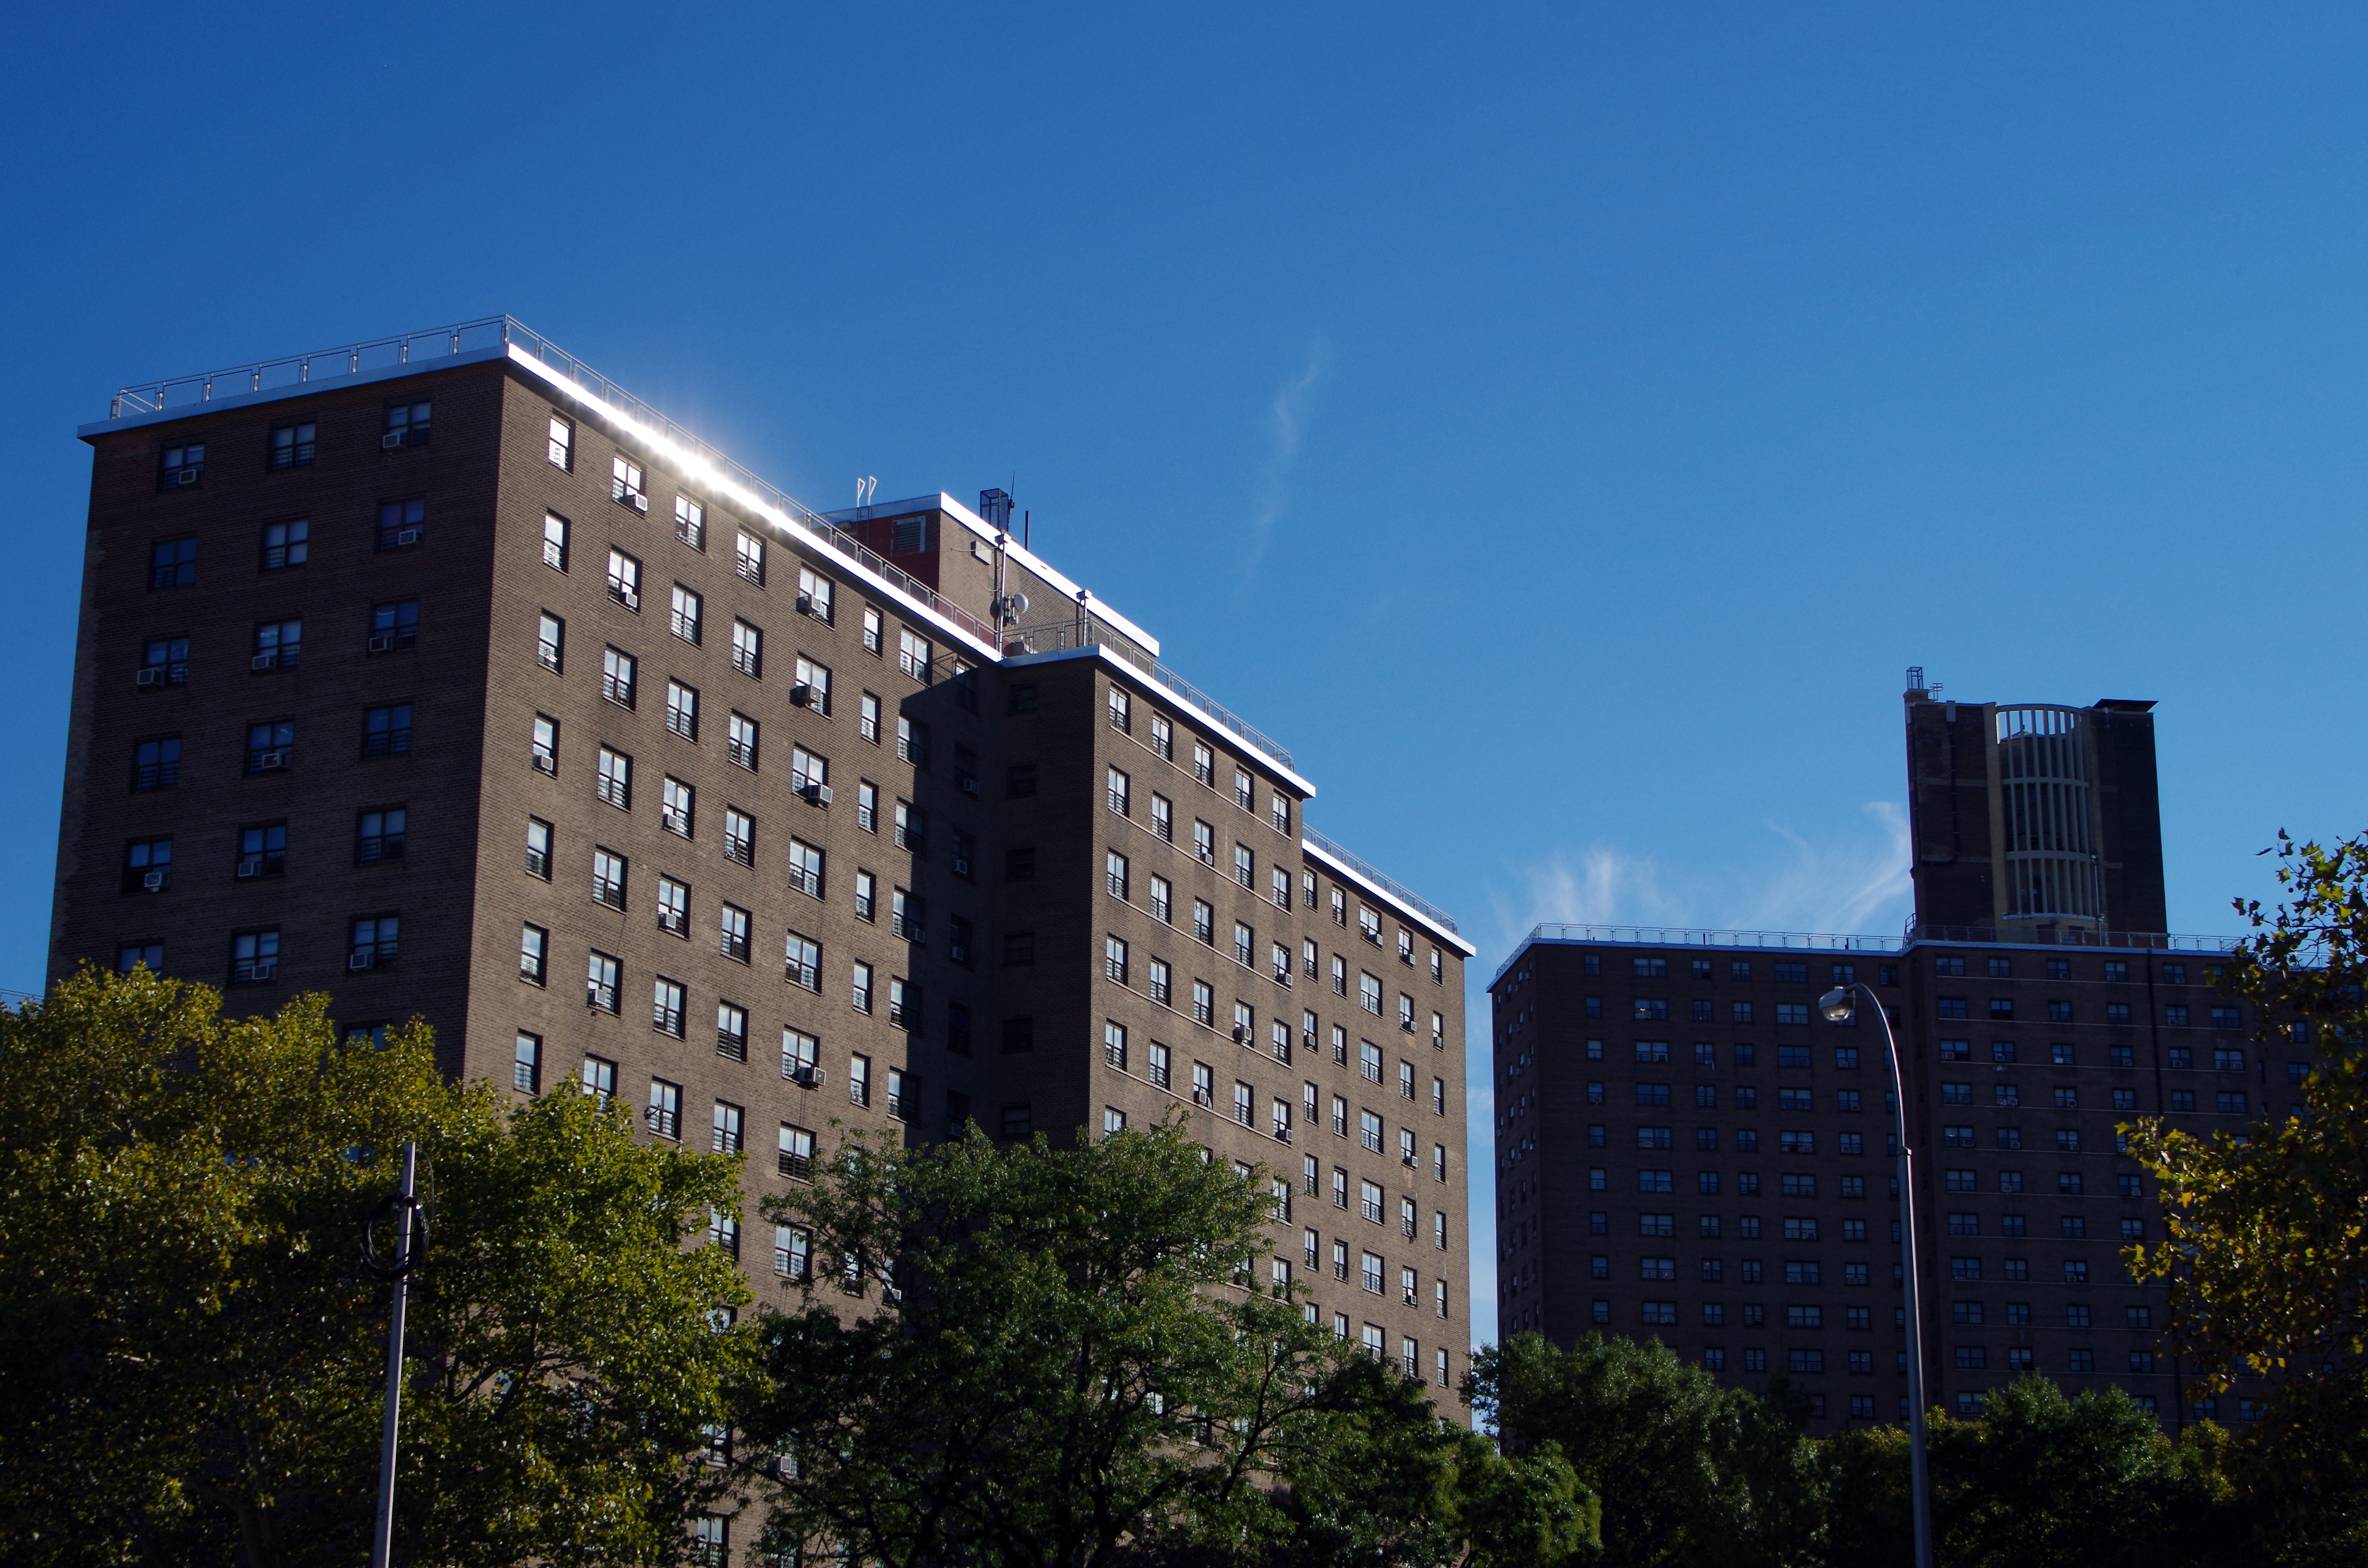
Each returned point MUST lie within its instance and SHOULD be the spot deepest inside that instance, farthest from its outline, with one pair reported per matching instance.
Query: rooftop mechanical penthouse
(444, 676)
(1687, 1149)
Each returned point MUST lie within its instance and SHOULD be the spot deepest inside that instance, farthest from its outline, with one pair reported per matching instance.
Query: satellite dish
(1017, 604)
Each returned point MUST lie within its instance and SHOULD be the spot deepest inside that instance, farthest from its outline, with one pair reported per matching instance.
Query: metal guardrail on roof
(423, 348)
(1085, 630)
(2157, 941)
(500, 332)
(1389, 884)
(1807, 941)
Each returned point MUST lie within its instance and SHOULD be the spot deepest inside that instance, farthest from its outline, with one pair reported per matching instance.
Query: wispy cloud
(1286, 429)
(1850, 880)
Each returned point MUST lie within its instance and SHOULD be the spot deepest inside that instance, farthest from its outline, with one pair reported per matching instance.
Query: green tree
(1031, 1355)
(2266, 1234)
(2040, 1480)
(2266, 1250)
(191, 1364)
(1689, 1473)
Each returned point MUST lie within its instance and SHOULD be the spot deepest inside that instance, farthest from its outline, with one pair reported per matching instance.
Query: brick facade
(967, 804)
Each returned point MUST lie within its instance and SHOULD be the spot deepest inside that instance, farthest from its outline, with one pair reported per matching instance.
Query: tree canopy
(192, 1363)
(1073, 1357)
(1688, 1472)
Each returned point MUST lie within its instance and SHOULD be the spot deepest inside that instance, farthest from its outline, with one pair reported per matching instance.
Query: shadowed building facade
(445, 677)
(1689, 1150)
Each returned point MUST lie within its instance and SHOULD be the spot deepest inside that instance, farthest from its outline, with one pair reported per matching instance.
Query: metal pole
(1919, 1474)
(405, 1208)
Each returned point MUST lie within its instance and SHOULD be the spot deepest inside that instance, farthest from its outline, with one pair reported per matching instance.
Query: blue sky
(1559, 424)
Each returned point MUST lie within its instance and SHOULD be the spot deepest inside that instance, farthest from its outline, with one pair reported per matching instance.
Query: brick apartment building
(442, 675)
(1687, 1149)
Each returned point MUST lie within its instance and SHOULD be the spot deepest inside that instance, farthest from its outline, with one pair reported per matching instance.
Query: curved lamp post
(1840, 1005)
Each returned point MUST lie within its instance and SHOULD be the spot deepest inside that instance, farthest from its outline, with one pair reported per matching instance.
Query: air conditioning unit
(637, 501)
(1307, 1038)
(968, 785)
(406, 536)
(390, 440)
(805, 604)
(362, 959)
(263, 662)
(154, 881)
(675, 821)
(815, 794)
(382, 644)
(803, 695)
(149, 677)
(1241, 1035)
(267, 760)
(1407, 1161)
(546, 763)
(630, 599)
(251, 867)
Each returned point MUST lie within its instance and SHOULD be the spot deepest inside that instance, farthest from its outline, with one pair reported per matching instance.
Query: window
(271, 747)
(748, 559)
(691, 523)
(740, 744)
(806, 867)
(148, 865)
(526, 1064)
(156, 764)
(609, 878)
(182, 465)
(173, 562)
(739, 836)
(664, 1115)
(254, 957)
(534, 954)
(617, 679)
(912, 828)
(614, 785)
(402, 524)
(913, 652)
(378, 835)
(284, 545)
(371, 941)
(164, 661)
(859, 987)
(279, 644)
(129, 956)
(674, 906)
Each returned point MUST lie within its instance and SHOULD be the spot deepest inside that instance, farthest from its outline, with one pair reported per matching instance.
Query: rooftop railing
(1806, 941)
(524, 342)
(1086, 630)
(295, 369)
(499, 332)
(1389, 884)
(1693, 937)
(2158, 942)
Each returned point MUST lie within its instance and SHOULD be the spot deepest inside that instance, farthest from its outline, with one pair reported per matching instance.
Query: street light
(1841, 1006)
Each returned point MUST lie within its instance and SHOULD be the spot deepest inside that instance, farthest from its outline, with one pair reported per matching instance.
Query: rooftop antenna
(866, 487)
(1023, 531)
(995, 509)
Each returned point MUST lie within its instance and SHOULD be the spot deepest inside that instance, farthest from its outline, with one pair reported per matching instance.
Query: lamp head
(1839, 1005)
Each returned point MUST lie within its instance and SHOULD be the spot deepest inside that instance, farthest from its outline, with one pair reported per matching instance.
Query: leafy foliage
(2040, 1481)
(1688, 1472)
(1069, 1363)
(191, 1364)
(2266, 1249)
